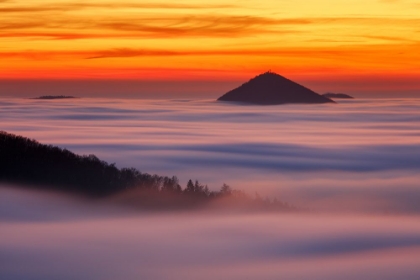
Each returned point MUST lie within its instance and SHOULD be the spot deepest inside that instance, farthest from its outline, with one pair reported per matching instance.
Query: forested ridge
(26, 161)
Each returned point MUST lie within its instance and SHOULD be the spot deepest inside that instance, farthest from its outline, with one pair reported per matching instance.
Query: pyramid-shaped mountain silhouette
(271, 89)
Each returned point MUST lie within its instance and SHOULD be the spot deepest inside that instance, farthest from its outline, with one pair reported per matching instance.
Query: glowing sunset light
(210, 40)
(210, 139)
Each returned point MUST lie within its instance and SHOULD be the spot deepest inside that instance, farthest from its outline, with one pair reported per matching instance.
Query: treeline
(26, 161)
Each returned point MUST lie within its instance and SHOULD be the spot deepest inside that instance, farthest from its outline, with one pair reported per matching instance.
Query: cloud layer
(356, 156)
(62, 242)
(361, 152)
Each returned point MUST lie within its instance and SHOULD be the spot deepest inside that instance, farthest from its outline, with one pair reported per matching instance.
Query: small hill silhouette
(337, 95)
(54, 97)
(272, 89)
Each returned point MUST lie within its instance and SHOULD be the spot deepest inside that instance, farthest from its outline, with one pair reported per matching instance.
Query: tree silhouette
(36, 165)
(225, 190)
(190, 187)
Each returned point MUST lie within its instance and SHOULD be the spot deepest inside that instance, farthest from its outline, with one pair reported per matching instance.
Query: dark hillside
(24, 160)
(32, 164)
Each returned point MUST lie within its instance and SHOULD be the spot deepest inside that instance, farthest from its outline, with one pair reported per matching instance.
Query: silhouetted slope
(271, 89)
(26, 161)
(337, 95)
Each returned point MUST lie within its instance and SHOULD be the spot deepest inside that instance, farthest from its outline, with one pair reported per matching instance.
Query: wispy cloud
(324, 52)
(390, 38)
(127, 52)
(236, 28)
(147, 25)
(75, 6)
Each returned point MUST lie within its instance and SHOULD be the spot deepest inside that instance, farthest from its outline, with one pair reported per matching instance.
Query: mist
(358, 155)
(50, 236)
(351, 170)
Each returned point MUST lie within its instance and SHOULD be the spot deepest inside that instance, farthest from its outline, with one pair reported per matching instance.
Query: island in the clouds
(54, 97)
(270, 88)
(337, 95)
(26, 162)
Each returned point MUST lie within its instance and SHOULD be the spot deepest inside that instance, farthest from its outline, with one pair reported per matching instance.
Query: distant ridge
(270, 88)
(337, 95)
(54, 97)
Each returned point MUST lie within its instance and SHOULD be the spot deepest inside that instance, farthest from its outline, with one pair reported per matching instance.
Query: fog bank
(49, 236)
(358, 155)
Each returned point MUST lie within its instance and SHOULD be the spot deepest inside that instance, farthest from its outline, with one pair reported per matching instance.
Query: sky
(352, 45)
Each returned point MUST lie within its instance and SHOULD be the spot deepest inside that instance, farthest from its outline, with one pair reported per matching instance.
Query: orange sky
(340, 40)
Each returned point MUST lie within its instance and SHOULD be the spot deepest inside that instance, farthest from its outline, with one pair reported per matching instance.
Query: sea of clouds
(358, 154)
(50, 236)
(352, 168)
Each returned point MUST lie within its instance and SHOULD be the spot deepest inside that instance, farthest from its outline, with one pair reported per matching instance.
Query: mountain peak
(270, 88)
